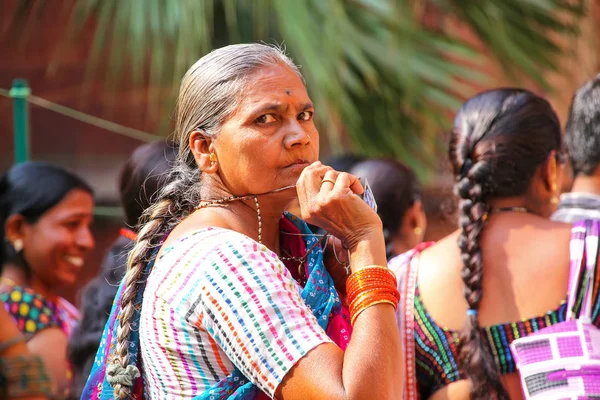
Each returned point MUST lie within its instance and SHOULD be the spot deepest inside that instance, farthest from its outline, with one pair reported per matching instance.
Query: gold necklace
(219, 202)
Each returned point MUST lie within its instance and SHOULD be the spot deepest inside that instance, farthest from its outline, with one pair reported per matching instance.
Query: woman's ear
(421, 218)
(417, 220)
(14, 229)
(414, 224)
(202, 148)
(551, 173)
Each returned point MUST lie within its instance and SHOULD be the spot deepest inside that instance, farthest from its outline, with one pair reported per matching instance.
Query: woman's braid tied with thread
(209, 94)
(500, 138)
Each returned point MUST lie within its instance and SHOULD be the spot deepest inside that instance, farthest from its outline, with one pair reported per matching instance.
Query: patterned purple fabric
(563, 360)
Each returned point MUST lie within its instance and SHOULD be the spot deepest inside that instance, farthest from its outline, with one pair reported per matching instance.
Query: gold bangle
(353, 318)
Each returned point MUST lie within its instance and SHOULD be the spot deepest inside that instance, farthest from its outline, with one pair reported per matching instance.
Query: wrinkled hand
(328, 199)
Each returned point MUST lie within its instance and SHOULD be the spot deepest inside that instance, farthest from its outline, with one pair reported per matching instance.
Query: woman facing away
(142, 175)
(504, 274)
(46, 214)
(397, 191)
(225, 296)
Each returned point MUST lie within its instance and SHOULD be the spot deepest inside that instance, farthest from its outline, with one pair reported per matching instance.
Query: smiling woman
(226, 296)
(46, 214)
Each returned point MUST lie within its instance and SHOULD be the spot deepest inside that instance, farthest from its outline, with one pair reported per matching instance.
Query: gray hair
(210, 89)
(209, 94)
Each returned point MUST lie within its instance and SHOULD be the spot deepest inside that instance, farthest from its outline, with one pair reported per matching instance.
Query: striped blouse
(214, 300)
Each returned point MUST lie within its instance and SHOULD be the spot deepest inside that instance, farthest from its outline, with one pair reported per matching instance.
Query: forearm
(372, 361)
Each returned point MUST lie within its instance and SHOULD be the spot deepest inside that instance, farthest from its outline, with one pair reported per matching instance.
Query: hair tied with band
(116, 374)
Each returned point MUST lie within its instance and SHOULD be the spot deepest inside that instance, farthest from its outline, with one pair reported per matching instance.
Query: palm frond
(523, 35)
(383, 82)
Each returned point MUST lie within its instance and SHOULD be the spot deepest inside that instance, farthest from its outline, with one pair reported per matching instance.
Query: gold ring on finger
(327, 180)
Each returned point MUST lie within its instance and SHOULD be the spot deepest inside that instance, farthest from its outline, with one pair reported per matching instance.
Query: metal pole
(19, 92)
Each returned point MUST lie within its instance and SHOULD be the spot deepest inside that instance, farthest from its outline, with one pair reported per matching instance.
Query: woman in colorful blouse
(227, 297)
(508, 275)
(46, 213)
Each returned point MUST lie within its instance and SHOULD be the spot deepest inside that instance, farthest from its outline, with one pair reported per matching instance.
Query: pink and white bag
(562, 361)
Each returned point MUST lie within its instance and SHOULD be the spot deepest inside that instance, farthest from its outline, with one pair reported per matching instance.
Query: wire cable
(88, 119)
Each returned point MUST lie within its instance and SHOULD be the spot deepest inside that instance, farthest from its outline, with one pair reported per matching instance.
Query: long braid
(176, 200)
(475, 356)
(498, 141)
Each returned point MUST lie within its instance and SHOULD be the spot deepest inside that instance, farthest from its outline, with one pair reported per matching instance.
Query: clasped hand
(328, 199)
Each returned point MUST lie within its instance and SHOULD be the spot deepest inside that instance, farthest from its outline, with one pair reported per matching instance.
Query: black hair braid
(475, 355)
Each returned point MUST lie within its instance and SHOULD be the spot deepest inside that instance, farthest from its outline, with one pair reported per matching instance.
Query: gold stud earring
(17, 244)
(213, 159)
(418, 230)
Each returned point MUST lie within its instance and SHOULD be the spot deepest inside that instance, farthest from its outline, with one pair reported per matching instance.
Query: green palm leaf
(383, 82)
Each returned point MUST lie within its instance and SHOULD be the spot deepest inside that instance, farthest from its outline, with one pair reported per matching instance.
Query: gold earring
(418, 230)
(18, 245)
(554, 198)
(213, 159)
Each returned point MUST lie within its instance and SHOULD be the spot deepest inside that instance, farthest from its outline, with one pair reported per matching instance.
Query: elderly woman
(225, 295)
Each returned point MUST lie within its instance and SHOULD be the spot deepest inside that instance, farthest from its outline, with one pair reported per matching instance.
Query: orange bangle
(375, 268)
(367, 275)
(372, 292)
(371, 285)
(370, 297)
(352, 290)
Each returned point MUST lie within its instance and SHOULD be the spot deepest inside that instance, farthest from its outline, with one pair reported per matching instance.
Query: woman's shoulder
(30, 310)
(200, 253)
(209, 239)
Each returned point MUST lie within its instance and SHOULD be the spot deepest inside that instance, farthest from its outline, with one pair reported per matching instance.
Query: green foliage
(383, 82)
